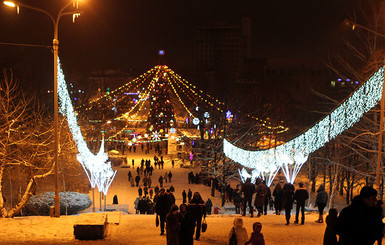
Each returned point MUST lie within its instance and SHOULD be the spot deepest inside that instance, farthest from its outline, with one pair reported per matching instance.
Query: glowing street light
(55, 42)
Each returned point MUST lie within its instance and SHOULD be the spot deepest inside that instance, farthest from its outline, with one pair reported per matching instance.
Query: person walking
(136, 202)
(162, 207)
(300, 195)
(256, 237)
(161, 181)
(149, 182)
(169, 176)
(287, 200)
(140, 191)
(129, 175)
(198, 209)
(239, 231)
(277, 193)
(248, 190)
(172, 226)
(320, 202)
(360, 223)
(187, 226)
(267, 199)
(330, 236)
(151, 193)
(184, 196)
(189, 195)
(165, 177)
(132, 181)
(260, 197)
(133, 164)
(142, 205)
(237, 199)
(137, 179)
(209, 205)
(172, 163)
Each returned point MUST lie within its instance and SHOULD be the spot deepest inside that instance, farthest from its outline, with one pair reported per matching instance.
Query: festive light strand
(294, 153)
(98, 171)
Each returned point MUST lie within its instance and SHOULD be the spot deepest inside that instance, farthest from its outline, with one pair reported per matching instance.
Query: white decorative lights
(98, 171)
(293, 154)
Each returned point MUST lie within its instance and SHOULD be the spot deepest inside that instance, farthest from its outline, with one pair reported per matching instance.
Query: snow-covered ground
(140, 229)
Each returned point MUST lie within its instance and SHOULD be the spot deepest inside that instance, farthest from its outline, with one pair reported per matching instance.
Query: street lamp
(55, 45)
(380, 137)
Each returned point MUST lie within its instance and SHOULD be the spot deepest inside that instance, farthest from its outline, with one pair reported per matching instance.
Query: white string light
(98, 171)
(293, 154)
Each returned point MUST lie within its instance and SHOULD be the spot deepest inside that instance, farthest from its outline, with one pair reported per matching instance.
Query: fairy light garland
(98, 170)
(293, 154)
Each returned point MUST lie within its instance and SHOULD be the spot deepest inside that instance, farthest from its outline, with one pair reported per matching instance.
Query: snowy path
(140, 229)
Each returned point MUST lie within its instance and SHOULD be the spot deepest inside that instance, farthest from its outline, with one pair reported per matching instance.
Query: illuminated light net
(293, 154)
(98, 170)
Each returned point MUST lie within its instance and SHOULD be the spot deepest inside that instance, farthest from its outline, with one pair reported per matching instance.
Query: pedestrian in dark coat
(169, 176)
(142, 205)
(237, 202)
(267, 199)
(198, 209)
(129, 175)
(330, 236)
(184, 196)
(137, 179)
(187, 226)
(248, 190)
(171, 196)
(209, 205)
(287, 200)
(151, 192)
(172, 188)
(360, 223)
(260, 196)
(189, 195)
(173, 226)
(161, 181)
(320, 202)
(162, 207)
(277, 193)
(140, 191)
(256, 237)
(300, 195)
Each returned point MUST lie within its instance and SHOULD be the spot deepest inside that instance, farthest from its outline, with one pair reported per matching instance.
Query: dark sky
(126, 34)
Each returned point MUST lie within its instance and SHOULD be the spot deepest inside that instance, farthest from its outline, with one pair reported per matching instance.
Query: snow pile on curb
(74, 202)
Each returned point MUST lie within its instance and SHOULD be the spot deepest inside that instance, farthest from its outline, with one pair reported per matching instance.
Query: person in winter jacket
(162, 207)
(239, 230)
(287, 200)
(187, 226)
(300, 195)
(172, 226)
(267, 199)
(140, 191)
(330, 236)
(142, 205)
(198, 209)
(136, 202)
(137, 179)
(237, 199)
(277, 193)
(261, 192)
(360, 223)
(209, 205)
(161, 181)
(169, 176)
(256, 237)
(189, 195)
(320, 202)
(184, 196)
(132, 181)
(248, 190)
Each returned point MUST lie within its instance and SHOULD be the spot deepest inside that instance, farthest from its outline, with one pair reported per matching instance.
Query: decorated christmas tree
(161, 116)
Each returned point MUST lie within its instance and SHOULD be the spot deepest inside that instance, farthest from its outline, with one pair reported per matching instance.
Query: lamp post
(380, 137)
(55, 46)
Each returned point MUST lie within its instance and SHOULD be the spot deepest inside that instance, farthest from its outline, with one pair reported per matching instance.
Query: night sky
(127, 34)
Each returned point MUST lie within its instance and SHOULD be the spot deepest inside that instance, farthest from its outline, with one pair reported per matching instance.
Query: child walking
(256, 236)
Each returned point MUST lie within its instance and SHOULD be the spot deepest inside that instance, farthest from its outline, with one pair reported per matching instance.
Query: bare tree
(25, 141)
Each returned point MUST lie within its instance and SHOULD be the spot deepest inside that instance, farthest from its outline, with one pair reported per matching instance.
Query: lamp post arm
(59, 15)
(39, 10)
